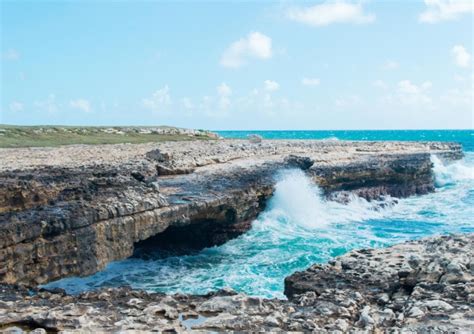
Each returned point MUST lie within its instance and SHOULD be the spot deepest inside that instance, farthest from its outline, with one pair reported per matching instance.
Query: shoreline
(422, 285)
(70, 210)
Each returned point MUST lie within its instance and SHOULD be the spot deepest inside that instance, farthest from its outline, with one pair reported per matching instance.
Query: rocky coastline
(415, 287)
(70, 210)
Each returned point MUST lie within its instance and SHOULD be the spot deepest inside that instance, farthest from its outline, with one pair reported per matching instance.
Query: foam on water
(332, 138)
(451, 173)
(300, 201)
(299, 228)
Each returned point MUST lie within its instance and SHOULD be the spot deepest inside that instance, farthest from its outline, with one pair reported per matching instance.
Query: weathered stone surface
(421, 286)
(71, 210)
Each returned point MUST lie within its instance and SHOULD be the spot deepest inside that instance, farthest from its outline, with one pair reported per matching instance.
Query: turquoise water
(465, 137)
(300, 228)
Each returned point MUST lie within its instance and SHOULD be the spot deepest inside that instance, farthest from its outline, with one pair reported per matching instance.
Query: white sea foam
(449, 173)
(332, 138)
(299, 200)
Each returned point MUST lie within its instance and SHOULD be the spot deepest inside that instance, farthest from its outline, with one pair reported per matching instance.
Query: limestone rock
(328, 301)
(70, 210)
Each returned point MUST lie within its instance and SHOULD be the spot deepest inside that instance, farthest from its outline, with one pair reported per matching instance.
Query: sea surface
(300, 228)
(465, 137)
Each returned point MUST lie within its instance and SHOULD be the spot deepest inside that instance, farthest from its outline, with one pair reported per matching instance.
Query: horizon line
(234, 130)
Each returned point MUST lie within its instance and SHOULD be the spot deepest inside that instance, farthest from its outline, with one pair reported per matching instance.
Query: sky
(239, 65)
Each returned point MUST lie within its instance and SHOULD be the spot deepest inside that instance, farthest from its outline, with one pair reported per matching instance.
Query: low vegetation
(36, 136)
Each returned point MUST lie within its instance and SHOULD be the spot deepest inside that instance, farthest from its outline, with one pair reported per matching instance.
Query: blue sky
(239, 65)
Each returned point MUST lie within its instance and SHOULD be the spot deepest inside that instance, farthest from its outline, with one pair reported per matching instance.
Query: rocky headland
(70, 210)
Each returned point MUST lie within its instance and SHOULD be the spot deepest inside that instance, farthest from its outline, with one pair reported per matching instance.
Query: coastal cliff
(420, 286)
(68, 211)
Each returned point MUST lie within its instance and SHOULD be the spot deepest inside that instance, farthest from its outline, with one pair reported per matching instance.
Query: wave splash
(299, 200)
(451, 173)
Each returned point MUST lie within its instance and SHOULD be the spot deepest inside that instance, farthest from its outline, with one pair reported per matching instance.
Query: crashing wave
(451, 173)
(299, 200)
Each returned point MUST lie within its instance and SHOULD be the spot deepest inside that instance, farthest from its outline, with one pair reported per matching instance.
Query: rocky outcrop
(71, 210)
(419, 286)
(422, 285)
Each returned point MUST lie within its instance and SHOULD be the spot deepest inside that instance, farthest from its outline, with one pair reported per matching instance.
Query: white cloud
(271, 86)
(410, 93)
(263, 102)
(458, 98)
(462, 58)
(330, 12)
(268, 103)
(215, 105)
(444, 10)
(224, 92)
(16, 106)
(207, 106)
(49, 105)
(380, 84)
(81, 104)
(390, 65)
(159, 100)
(187, 104)
(11, 54)
(407, 87)
(310, 81)
(255, 46)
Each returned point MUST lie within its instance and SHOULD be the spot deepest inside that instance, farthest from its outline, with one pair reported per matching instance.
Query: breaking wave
(299, 200)
(450, 173)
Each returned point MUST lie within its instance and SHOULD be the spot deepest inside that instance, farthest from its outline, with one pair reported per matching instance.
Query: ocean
(300, 228)
(465, 137)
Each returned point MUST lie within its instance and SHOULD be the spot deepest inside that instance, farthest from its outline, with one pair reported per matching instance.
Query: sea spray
(450, 173)
(298, 228)
(298, 200)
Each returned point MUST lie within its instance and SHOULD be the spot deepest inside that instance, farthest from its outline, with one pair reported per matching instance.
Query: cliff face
(71, 210)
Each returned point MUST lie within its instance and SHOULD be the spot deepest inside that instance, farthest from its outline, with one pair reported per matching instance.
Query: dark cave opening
(193, 237)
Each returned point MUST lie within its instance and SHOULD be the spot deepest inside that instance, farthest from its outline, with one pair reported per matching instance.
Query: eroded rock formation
(71, 210)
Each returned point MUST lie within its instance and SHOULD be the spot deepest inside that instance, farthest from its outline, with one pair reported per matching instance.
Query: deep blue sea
(300, 228)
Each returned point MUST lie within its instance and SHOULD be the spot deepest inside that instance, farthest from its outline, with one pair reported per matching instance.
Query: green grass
(39, 136)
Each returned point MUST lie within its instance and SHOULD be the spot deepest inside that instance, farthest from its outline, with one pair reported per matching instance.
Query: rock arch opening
(200, 233)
